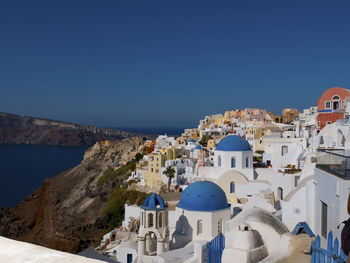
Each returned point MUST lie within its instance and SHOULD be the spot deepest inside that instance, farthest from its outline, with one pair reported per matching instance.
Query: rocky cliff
(66, 212)
(15, 129)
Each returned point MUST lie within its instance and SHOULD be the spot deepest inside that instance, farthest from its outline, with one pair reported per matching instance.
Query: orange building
(331, 106)
(289, 115)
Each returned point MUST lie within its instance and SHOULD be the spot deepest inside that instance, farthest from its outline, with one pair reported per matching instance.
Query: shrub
(114, 210)
(123, 172)
(204, 140)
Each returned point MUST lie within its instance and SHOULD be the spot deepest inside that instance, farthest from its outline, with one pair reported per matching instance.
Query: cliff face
(66, 212)
(15, 129)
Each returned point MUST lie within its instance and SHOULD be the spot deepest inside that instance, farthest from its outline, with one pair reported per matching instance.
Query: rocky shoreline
(66, 212)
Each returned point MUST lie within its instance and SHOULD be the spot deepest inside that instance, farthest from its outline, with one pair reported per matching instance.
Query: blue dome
(203, 196)
(153, 202)
(198, 147)
(233, 143)
(191, 140)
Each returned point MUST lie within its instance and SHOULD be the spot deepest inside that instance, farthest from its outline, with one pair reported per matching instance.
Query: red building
(331, 106)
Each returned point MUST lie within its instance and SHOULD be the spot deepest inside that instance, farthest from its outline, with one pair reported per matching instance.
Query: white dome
(243, 244)
(243, 237)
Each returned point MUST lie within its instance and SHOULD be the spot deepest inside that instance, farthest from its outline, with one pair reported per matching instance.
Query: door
(129, 258)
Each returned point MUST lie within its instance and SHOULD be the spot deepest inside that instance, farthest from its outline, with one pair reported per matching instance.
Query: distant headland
(16, 129)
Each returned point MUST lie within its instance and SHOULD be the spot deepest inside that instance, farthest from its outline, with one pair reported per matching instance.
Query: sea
(24, 167)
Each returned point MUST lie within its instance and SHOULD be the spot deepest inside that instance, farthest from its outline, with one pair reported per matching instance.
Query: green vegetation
(258, 158)
(138, 156)
(123, 172)
(170, 173)
(114, 210)
(204, 140)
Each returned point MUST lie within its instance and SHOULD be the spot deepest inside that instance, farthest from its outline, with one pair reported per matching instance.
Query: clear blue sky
(168, 63)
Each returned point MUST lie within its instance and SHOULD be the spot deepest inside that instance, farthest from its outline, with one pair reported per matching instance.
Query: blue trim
(300, 226)
(215, 248)
(330, 110)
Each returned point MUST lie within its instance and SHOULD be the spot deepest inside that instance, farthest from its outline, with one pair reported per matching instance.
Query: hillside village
(249, 177)
(244, 186)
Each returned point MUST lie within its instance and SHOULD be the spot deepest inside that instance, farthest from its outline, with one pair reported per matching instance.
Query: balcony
(334, 161)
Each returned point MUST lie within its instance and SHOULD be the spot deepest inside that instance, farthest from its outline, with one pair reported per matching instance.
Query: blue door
(129, 258)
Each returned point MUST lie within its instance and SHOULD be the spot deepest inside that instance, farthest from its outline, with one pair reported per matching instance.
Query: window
(318, 124)
(327, 104)
(232, 187)
(199, 227)
(296, 180)
(323, 219)
(233, 162)
(150, 220)
(328, 122)
(284, 150)
(160, 220)
(343, 104)
(280, 193)
(247, 162)
(220, 226)
(219, 160)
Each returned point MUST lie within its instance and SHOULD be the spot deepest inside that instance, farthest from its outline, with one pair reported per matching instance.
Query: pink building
(254, 115)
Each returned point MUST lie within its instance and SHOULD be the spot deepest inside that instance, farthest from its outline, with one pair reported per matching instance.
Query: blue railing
(215, 249)
(333, 253)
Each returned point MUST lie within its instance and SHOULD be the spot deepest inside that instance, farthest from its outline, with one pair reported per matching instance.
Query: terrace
(334, 161)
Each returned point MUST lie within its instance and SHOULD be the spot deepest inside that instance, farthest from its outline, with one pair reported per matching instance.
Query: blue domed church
(201, 213)
(199, 216)
(232, 165)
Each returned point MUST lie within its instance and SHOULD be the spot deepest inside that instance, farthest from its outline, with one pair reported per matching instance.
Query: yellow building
(219, 120)
(153, 174)
(211, 144)
(169, 154)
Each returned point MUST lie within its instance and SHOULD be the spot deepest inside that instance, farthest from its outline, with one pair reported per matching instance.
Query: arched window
(233, 162)
(150, 220)
(335, 102)
(280, 193)
(219, 160)
(246, 162)
(321, 140)
(232, 187)
(160, 220)
(199, 227)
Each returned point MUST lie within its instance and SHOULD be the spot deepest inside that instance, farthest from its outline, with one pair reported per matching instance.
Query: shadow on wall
(255, 175)
(236, 211)
(183, 233)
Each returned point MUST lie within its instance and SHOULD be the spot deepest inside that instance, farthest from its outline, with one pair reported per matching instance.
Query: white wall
(240, 159)
(299, 206)
(334, 192)
(131, 211)
(209, 222)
